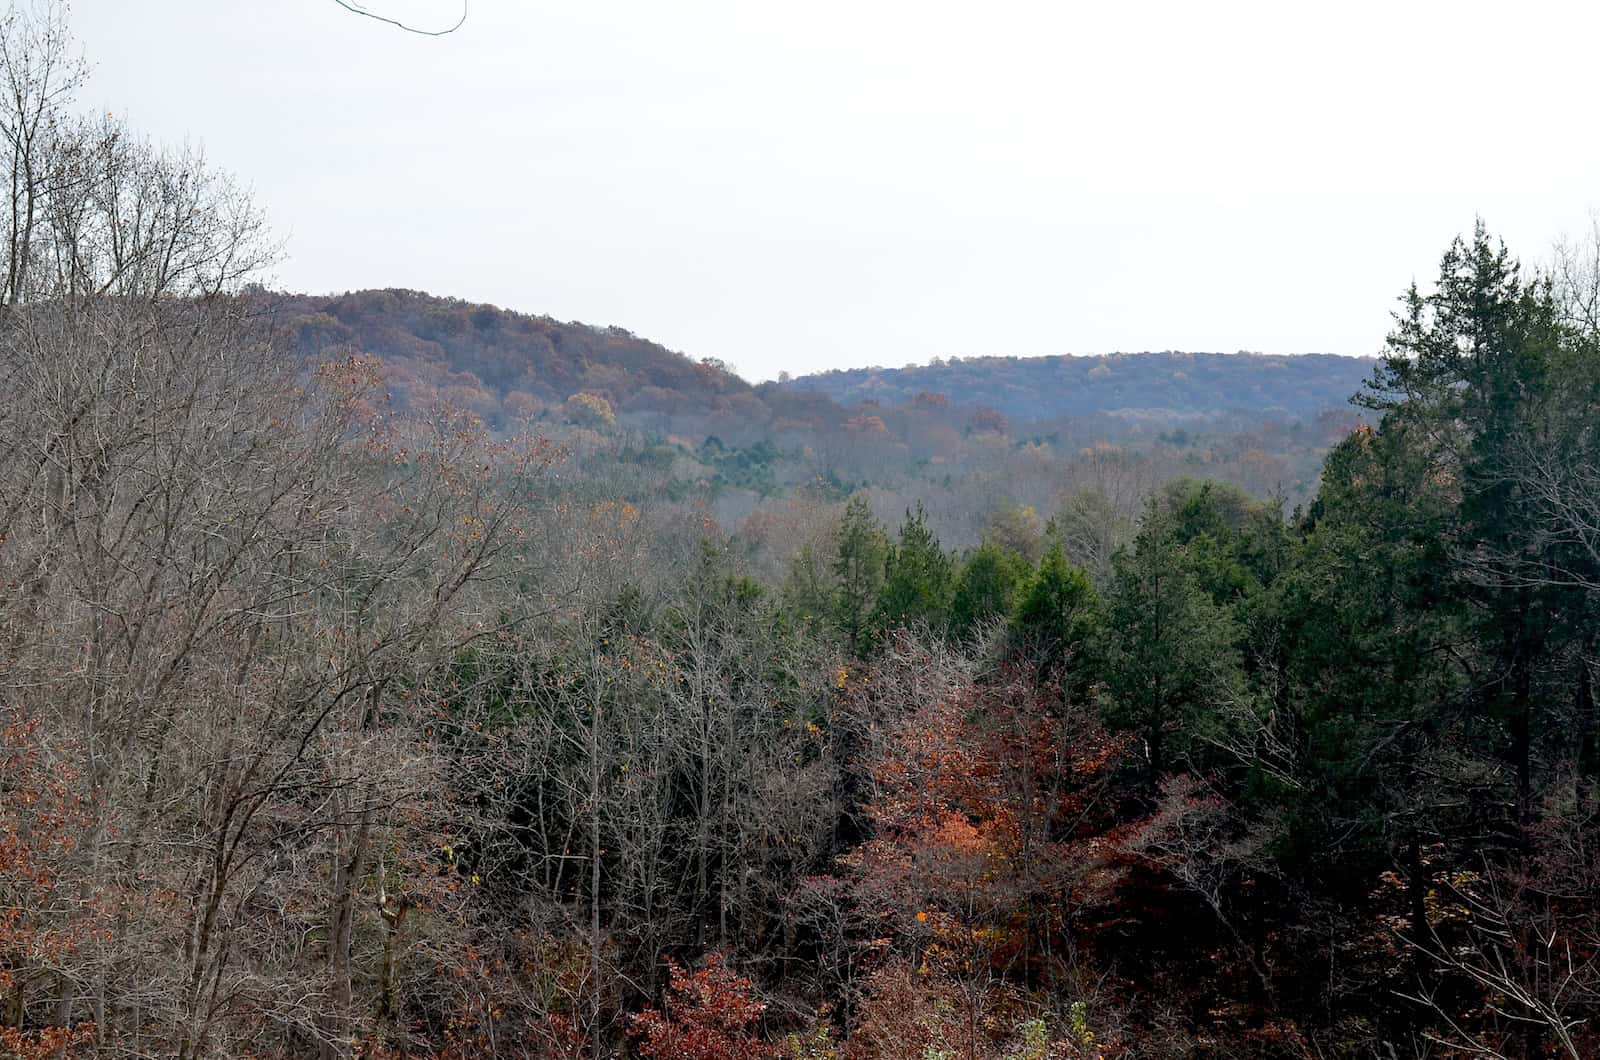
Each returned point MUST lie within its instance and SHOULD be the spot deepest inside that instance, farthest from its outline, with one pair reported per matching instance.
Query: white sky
(831, 183)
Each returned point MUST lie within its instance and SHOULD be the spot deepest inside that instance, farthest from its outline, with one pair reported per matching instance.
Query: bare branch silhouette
(358, 9)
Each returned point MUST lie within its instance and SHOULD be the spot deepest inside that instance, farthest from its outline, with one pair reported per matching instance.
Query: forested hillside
(504, 364)
(695, 430)
(1292, 387)
(344, 715)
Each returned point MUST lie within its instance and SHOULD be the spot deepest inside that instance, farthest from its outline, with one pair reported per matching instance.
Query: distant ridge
(503, 365)
(1294, 385)
(430, 340)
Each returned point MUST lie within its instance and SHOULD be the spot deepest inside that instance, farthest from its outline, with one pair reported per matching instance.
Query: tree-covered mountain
(1289, 386)
(968, 438)
(481, 356)
(500, 363)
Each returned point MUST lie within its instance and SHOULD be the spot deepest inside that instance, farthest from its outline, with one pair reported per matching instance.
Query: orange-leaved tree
(49, 917)
(985, 824)
(709, 1014)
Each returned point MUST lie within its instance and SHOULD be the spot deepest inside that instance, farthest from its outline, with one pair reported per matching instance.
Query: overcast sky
(832, 183)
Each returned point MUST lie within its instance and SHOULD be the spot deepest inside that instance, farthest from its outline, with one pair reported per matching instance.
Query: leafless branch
(358, 9)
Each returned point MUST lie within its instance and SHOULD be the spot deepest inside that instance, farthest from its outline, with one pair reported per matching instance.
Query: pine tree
(986, 588)
(858, 572)
(1467, 376)
(919, 578)
(1055, 617)
(1170, 655)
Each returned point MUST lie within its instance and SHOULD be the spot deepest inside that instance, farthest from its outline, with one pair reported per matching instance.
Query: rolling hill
(501, 363)
(1035, 388)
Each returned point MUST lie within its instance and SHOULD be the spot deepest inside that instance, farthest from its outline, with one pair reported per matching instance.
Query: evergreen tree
(1468, 378)
(1372, 635)
(986, 588)
(1170, 655)
(1208, 520)
(918, 581)
(1055, 618)
(858, 572)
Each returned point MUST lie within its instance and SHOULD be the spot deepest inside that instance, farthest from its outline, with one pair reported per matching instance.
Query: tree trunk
(346, 879)
(594, 882)
(1416, 896)
(394, 920)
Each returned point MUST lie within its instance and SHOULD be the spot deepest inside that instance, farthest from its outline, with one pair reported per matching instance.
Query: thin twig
(357, 9)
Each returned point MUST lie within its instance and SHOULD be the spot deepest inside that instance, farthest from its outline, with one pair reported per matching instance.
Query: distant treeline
(485, 357)
(1289, 386)
(990, 433)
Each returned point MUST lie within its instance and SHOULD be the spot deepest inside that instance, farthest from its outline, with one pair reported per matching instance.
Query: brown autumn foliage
(343, 715)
